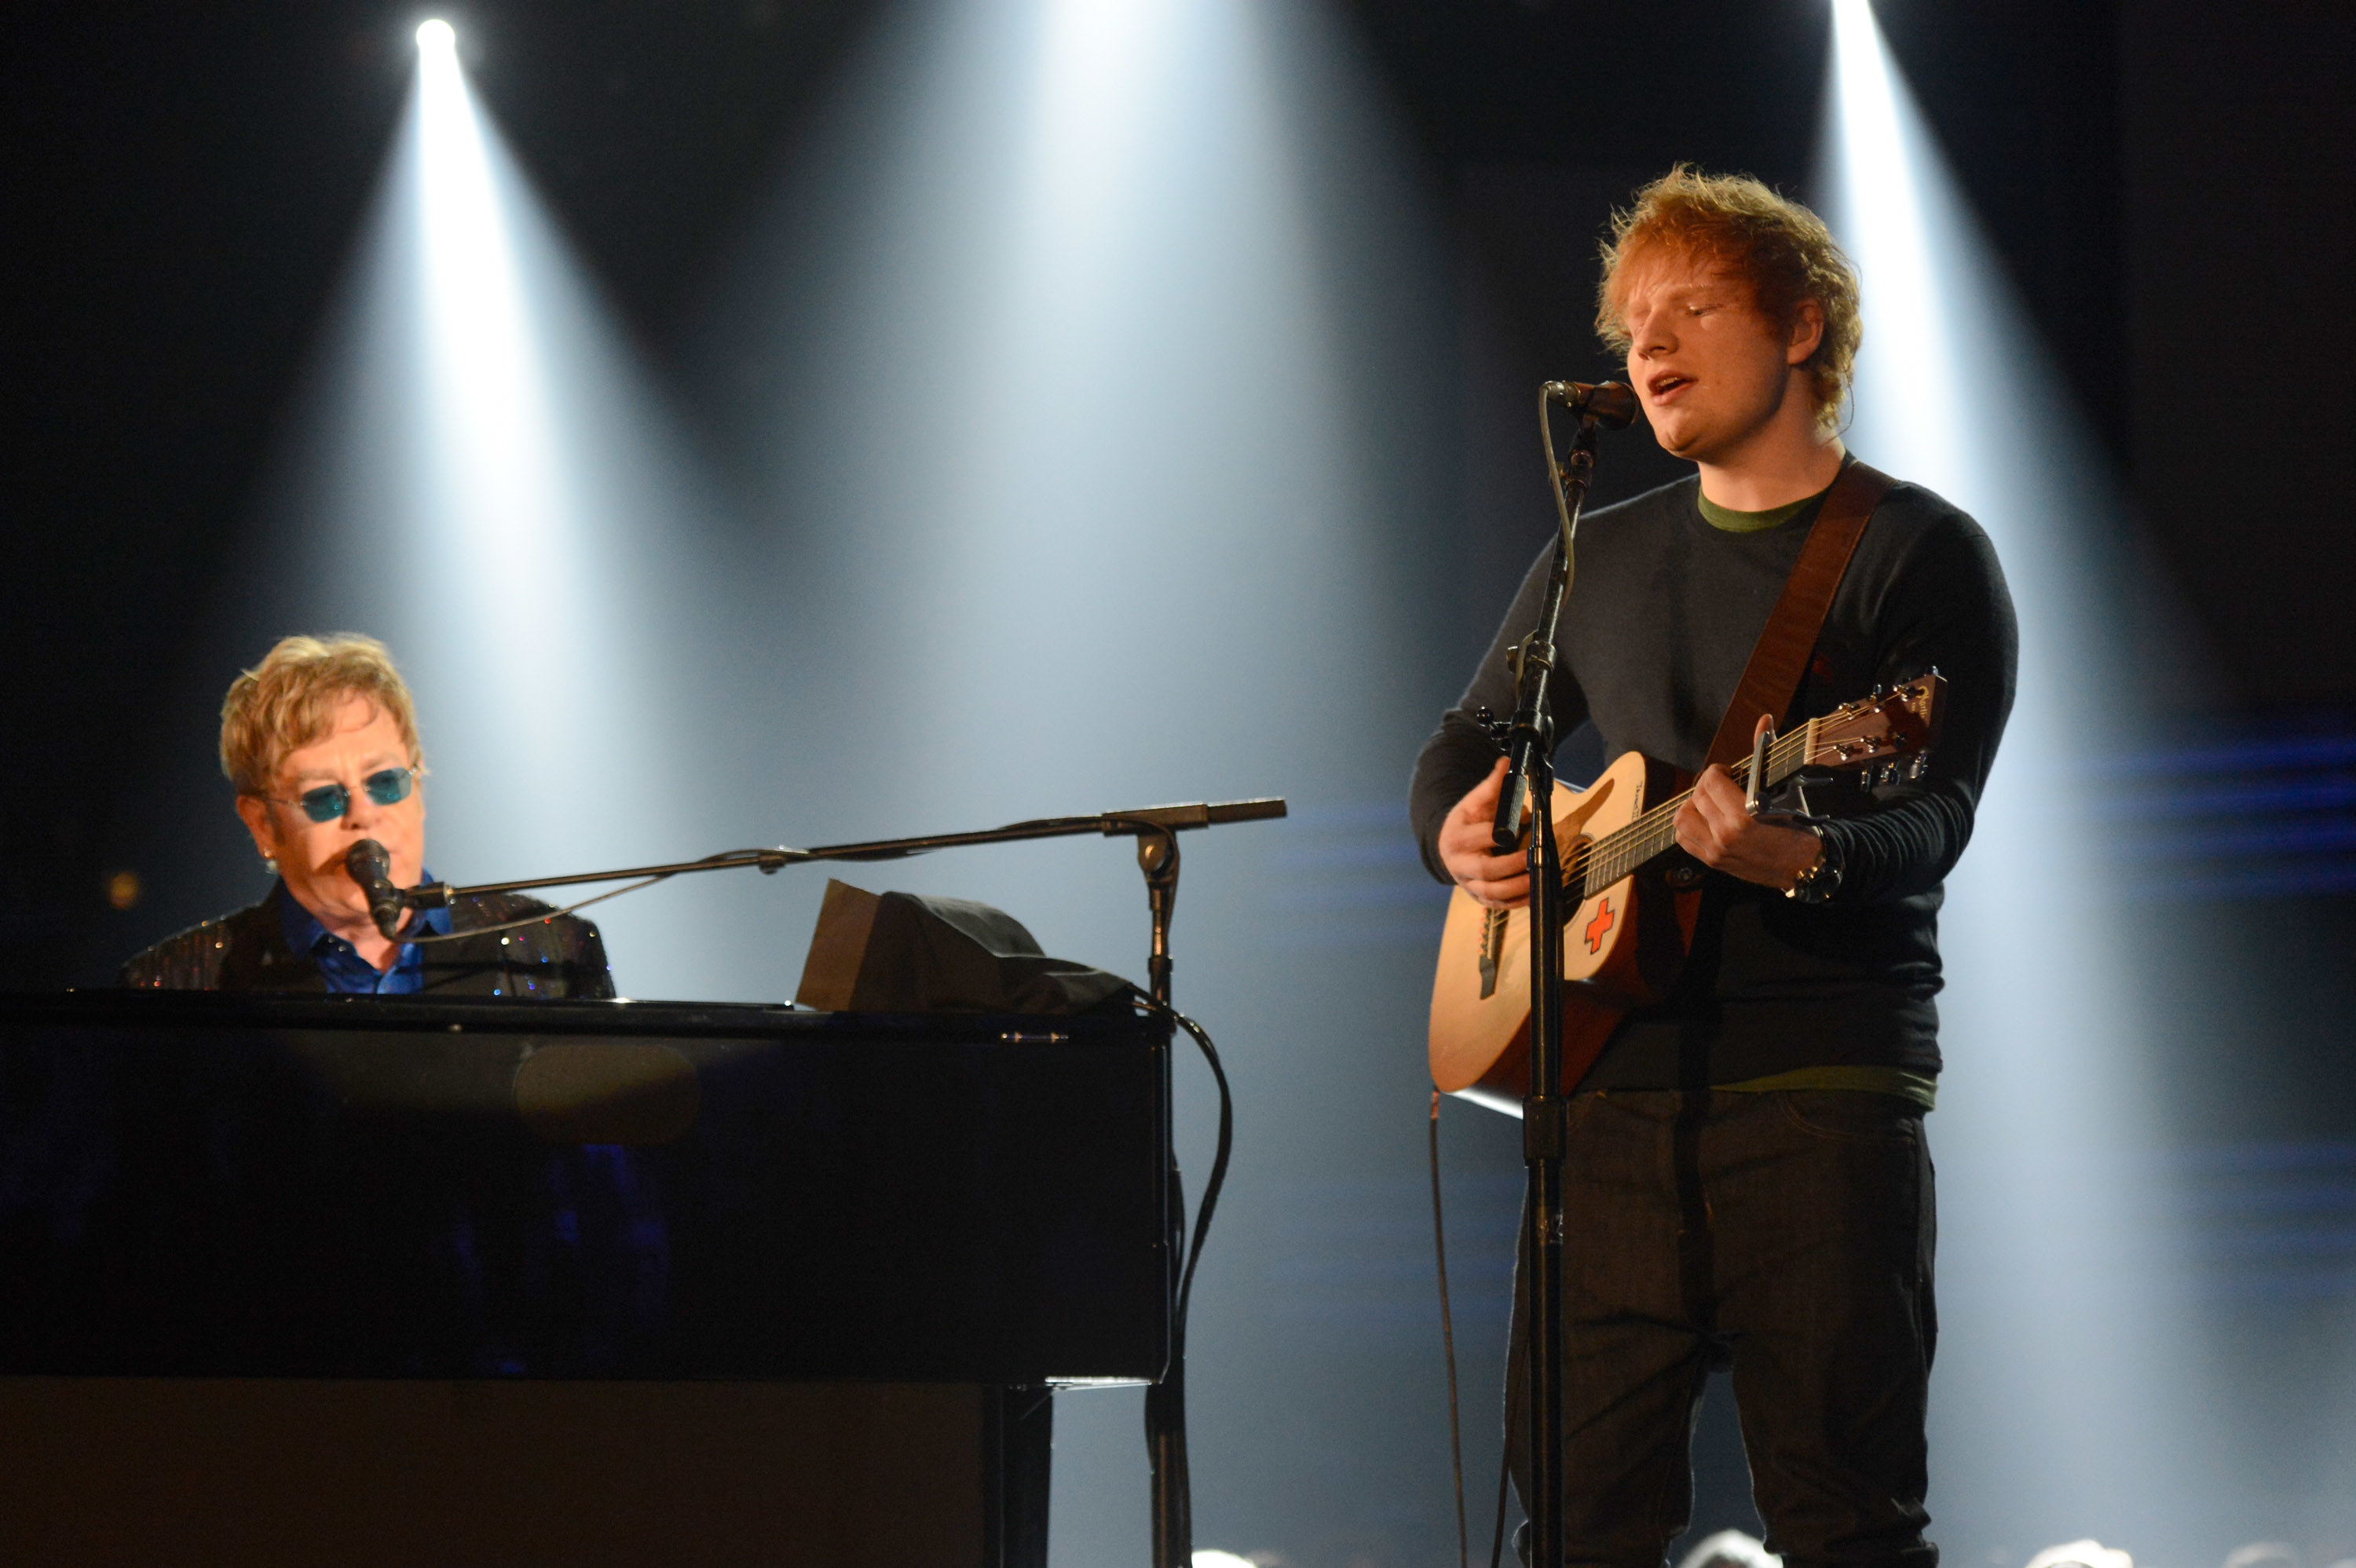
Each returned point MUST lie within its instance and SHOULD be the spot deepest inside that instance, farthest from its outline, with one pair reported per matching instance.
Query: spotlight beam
(479, 474)
(2047, 1101)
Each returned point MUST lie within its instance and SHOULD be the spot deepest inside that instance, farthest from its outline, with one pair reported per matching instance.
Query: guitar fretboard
(1605, 860)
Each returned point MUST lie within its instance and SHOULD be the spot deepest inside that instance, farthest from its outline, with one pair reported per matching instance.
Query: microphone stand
(1527, 798)
(1171, 1506)
(1156, 829)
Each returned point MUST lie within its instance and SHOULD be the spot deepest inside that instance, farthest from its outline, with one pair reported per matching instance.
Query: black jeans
(1786, 1234)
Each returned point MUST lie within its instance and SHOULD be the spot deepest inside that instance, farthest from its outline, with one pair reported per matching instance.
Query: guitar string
(1653, 830)
(1620, 852)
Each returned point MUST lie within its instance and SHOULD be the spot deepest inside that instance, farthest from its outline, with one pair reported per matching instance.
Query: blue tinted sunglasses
(389, 786)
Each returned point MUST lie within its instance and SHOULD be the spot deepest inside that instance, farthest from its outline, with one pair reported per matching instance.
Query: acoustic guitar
(1629, 931)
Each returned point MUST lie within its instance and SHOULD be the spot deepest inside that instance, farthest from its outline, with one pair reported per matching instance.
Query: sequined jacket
(559, 957)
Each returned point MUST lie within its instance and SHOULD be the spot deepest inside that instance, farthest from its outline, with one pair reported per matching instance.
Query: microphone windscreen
(367, 862)
(1613, 404)
(371, 868)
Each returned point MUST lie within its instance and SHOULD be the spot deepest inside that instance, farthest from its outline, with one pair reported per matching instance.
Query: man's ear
(1808, 331)
(254, 811)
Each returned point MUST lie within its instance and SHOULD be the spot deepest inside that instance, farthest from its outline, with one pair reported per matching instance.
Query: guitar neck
(1654, 832)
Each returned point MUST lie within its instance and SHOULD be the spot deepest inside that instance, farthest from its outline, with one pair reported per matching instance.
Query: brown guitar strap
(1770, 682)
(1771, 679)
(1780, 657)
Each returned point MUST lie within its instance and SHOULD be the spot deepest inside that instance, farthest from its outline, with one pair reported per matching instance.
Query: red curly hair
(1777, 246)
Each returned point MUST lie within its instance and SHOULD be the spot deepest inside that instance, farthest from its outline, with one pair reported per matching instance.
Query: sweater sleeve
(1459, 753)
(1949, 610)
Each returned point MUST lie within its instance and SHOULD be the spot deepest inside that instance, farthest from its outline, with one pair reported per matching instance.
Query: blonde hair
(288, 701)
(1777, 246)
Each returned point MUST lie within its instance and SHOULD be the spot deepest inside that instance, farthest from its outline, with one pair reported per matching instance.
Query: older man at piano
(320, 742)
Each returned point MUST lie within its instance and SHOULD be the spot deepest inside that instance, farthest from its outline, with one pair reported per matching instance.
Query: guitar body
(1621, 948)
(1624, 944)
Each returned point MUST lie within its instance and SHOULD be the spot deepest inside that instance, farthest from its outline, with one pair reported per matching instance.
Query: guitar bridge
(1493, 951)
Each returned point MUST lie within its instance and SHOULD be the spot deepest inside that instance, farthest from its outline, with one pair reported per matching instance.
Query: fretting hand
(1716, 829)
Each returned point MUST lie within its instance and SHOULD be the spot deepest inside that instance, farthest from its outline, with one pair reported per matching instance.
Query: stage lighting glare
(2086, 1553)
(1731, 1548)
(2050, 1104)
(1140, 242)
(478, 477)
(495, 449)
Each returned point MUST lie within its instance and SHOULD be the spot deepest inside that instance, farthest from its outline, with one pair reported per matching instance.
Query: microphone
(1212, 814)
(367, 864)
(1612, 404)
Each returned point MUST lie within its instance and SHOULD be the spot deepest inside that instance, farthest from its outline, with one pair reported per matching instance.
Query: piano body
(362, 1279)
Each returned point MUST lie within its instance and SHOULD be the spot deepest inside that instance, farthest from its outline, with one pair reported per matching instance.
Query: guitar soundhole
(1573, 858)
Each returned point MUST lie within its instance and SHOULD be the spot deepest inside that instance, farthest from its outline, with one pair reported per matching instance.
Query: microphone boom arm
(1164, 822)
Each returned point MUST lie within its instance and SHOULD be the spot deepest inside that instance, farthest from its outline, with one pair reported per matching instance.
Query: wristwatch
(1821, 880)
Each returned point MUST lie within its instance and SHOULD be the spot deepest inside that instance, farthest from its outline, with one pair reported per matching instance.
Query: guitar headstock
(1881, 728)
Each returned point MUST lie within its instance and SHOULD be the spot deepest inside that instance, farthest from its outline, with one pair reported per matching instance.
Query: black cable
(1448, 1339)
(1505, 1448)
(1165, 1410)
(1218, 1160)
(527, 920)
(1504, 1474)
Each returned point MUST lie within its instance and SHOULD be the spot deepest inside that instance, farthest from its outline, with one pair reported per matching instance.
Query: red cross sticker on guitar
(1601, 926)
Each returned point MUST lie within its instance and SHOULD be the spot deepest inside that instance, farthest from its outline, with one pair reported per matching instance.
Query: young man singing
(1748, 1183)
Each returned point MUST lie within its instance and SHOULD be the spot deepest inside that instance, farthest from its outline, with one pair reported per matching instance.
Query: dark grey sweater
(1662, 617)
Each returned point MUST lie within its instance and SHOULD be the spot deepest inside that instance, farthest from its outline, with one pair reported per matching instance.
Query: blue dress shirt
(340, 962)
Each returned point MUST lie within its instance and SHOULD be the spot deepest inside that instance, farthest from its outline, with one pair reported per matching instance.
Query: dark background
(2169, 186)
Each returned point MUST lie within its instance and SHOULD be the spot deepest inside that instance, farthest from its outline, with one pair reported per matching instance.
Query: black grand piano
(359, 1279)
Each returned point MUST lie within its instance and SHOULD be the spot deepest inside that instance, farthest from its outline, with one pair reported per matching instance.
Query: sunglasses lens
(327, 802)
(389, 787)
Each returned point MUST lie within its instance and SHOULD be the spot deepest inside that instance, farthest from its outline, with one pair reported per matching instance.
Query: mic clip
(426, 895)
